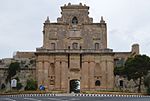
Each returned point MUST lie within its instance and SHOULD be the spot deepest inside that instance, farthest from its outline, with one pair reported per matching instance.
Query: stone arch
(74, 20)
(97, 69)
(97, 83)
(52, 69)
(74, 86)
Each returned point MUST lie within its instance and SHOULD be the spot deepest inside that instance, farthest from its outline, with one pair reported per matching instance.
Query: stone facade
(74, 48)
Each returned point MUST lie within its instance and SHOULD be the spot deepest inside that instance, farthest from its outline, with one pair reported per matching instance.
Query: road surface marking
(32, 99)
(8, 99)
(55, 99)
(74, 99)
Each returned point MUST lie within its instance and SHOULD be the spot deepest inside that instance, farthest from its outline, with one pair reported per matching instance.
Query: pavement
(72, 97)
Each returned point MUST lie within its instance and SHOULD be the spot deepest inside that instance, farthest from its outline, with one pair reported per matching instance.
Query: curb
(81, 95)
(110, 95)
(29, 95)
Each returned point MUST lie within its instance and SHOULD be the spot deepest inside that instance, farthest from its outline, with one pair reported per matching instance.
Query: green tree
(137, 67)
(19, 86)
(31, 85)
(119, 71)
(12, 70)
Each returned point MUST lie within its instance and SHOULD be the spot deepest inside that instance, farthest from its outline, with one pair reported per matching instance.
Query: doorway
(74, 86)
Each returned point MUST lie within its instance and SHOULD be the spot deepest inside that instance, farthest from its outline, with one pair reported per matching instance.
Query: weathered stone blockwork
(75, 48)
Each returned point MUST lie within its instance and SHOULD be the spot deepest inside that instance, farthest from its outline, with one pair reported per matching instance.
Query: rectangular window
(96, 46)
(53, 46)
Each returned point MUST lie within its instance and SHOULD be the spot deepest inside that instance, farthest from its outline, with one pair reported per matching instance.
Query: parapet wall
(24, 55)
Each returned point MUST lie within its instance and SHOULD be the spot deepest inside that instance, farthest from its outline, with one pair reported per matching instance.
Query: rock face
(74, 48)
(27, 71)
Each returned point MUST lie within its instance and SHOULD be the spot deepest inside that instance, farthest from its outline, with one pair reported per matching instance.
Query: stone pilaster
(110, 75)
(91, 75)
(40, 73)
(57, 75)
(64, 76)
(46, 81)
(104, 74)
(84, 80)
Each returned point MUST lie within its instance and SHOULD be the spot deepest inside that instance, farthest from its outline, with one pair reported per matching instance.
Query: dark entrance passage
(74, 86)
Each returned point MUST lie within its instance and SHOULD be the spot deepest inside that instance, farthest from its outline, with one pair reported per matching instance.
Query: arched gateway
(74, 86)
(87, 59)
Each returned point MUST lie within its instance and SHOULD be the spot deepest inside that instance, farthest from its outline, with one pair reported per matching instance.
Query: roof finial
(80, 4)
(69, 4)
(102, 20)
(47, 20)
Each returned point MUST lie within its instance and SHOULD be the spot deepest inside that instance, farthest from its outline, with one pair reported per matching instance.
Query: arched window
(97, 83)
(52, 69)
(75, 46)
(74, 20)
(97, 69)
(96, 46)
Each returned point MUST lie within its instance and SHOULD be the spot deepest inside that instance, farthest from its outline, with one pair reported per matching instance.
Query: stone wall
(28, 71)
(123, 84)
(28, 55)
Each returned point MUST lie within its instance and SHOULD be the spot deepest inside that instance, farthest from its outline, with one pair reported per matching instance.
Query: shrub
(31, 85)
(19, 86)
(3, 86)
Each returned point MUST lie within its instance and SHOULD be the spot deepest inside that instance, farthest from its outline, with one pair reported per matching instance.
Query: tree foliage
(31, 85)
(137, 67)
(12, 70)
(119, 71)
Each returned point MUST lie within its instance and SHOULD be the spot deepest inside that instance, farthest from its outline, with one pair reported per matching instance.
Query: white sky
(21, 23)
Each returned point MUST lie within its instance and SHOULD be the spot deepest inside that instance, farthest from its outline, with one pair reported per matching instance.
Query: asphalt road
(74, 98)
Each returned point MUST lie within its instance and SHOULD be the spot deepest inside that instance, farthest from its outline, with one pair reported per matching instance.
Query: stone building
(75, 48)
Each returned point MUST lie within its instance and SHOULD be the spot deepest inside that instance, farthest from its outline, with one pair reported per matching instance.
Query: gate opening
(74, 86)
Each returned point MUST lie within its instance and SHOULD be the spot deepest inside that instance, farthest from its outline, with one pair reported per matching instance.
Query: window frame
(74, 45)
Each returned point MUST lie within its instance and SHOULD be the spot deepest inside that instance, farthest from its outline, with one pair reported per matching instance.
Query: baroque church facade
(74, 48)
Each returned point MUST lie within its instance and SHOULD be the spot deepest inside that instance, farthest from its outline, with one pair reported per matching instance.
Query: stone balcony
(80, 51)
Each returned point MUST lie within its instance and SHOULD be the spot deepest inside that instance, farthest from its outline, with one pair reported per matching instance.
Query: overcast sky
(21, 23)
